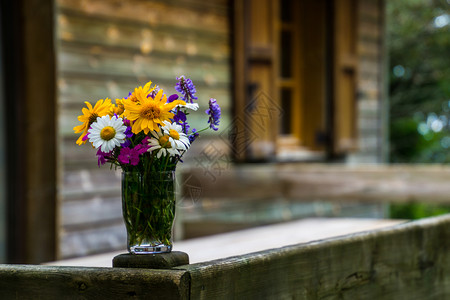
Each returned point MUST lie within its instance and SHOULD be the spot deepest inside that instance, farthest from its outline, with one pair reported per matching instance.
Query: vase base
(147, 249)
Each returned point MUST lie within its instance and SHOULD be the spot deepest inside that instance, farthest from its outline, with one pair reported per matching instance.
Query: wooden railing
(407, 261)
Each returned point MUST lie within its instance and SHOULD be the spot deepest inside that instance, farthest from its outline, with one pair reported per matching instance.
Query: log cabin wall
(105, 49)
(371, 113)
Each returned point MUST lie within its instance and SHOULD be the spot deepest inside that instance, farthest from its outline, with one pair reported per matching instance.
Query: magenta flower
(102, 157)
(131, 156)
(128, 156)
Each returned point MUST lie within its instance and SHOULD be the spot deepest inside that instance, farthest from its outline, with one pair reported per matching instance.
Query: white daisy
(161, 142)
(193, 106)
(107, 133)
(176, 134)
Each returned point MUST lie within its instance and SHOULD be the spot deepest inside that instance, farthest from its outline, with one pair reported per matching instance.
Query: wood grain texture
(45, 282)
(410, 261)
(319, 182)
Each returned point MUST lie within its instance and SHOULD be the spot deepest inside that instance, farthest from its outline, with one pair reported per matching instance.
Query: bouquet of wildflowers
(146, 131)
(146, 135)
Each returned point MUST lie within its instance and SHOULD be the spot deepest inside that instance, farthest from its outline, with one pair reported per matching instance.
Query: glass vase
(148, 206)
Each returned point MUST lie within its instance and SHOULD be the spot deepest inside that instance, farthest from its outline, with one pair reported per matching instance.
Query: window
(302, 56)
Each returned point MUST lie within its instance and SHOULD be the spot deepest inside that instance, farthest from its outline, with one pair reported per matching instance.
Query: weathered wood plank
(211, 15)
(369, 9)
(48, 282)
(314, 182)
(141, 37)
(89, 212)
(410, 261)
(138, 67)
(91, 241)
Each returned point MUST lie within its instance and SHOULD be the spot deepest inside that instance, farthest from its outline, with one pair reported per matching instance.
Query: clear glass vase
(148, 205)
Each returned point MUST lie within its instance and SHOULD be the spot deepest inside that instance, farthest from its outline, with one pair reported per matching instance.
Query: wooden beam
(326, 182)
(410, 261)
(46, 282)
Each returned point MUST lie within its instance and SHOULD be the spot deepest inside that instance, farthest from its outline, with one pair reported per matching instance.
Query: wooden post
(29, 64)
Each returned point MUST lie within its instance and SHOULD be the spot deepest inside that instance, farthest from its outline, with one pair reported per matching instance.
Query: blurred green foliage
(419, 80)
(418, 36)
(413, 211)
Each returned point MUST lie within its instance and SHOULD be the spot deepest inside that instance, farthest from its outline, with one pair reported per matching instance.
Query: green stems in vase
(148, 204)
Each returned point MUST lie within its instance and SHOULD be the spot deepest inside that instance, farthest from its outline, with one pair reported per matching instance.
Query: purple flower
(128, 156)
(86, 137)
(172, 98)
(186, 127)
(125, 144)
(179, 117)
(102, 157)
(154, 92)
(193, 135)
(131, 156)
(128, 132)
(186, 88)
(214, 114)
(143, 147)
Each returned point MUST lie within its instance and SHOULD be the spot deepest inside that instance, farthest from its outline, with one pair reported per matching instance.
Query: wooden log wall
(408, 261)
(105, 49)
(371, 106)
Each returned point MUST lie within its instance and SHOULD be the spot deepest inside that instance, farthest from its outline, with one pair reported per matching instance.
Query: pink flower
(102, 157)
(128, 156)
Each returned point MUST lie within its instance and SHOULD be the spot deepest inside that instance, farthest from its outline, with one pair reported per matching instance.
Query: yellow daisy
(149, 113)
(118, 108)
(141, 92)
(90, 114)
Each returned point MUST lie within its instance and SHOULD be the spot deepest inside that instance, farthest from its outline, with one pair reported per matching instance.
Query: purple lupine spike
(186, 127)
(186, 88)
(214, 113)
(193, 135)
(153, 93)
